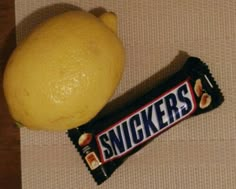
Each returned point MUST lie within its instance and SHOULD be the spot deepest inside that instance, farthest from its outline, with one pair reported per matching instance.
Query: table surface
(10, 173)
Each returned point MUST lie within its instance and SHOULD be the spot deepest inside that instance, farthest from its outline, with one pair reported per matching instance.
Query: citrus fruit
(64, 72)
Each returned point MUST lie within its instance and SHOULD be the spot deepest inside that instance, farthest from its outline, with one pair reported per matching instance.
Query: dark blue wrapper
(106, 143)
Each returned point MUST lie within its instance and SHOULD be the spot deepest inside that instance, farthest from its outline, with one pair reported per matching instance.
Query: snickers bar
(106, 143)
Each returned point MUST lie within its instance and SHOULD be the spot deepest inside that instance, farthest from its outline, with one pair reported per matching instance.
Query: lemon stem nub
(18, 124)
(110, 20)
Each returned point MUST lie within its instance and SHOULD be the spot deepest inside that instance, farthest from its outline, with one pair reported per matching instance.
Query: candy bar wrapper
(106, 143)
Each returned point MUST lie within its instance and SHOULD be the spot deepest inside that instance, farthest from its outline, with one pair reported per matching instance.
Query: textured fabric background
(199, 152)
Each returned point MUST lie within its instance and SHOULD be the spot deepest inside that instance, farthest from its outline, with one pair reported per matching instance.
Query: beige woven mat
(197, 153)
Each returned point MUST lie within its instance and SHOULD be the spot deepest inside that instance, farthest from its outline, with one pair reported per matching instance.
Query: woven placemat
(197, 153)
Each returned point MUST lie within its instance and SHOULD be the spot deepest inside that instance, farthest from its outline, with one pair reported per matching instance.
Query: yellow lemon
(64, 72)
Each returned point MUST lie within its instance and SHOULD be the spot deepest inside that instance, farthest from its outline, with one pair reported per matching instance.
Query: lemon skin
(64, 72)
